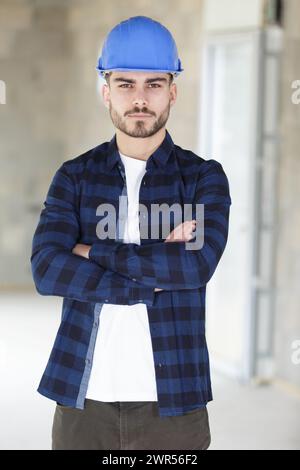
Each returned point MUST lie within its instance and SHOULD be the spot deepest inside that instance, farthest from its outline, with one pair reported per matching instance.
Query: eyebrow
(148, 80)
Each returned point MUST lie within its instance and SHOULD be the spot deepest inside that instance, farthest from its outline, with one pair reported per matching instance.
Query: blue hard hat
(142, 44)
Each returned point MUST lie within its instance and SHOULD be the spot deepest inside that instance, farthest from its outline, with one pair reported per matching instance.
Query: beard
(140, 128)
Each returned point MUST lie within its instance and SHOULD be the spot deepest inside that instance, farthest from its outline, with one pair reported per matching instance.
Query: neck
(137, 147)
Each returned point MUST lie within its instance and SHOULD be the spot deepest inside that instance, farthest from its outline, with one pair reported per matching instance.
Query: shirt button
(159, 365)
(140, 300)
(95, 324)
(133, 279)
(88, 361)
(106, 300)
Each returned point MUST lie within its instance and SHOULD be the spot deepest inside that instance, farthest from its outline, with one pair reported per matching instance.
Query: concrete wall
(34, 49)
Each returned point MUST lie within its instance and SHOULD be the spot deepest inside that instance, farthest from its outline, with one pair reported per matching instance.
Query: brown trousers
(128, 426)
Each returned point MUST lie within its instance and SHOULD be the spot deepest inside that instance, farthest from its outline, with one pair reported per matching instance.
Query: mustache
(140, 112)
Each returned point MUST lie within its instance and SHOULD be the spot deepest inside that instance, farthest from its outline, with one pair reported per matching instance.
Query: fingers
(183, 231)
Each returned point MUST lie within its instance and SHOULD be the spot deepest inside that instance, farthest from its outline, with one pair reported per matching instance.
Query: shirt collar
(160, 156)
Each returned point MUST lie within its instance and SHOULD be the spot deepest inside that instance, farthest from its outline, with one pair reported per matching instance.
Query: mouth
(139, 115)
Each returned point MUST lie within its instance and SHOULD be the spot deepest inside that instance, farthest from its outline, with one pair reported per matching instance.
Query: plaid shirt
(127, 273)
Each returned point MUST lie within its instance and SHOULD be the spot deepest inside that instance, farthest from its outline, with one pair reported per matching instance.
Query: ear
(173, 93)
(105, 94)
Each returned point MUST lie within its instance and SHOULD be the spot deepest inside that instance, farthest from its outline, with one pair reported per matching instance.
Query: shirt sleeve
(170, 265)
(57, 271)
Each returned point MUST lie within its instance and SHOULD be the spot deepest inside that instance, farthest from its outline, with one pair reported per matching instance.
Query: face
(139, 93)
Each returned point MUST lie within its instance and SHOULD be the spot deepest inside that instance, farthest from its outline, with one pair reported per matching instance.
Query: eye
(150, 84)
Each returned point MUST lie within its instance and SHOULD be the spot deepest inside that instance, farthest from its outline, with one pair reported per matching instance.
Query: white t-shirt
(123, 362)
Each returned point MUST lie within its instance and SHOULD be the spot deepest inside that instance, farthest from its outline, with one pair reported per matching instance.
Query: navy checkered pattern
(127, 273)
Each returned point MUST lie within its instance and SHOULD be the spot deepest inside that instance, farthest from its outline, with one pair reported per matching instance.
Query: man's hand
(183, 232)
(81, 250)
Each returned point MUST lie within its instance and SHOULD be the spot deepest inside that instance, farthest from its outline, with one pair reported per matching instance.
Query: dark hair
(107, 75)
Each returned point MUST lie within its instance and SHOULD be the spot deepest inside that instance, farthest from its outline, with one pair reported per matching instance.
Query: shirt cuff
(142, 294)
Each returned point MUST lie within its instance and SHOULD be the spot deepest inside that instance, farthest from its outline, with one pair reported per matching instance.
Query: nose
(140, 101)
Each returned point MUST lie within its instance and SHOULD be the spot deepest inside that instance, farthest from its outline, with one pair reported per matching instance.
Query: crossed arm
(183, 232)
(124, 273)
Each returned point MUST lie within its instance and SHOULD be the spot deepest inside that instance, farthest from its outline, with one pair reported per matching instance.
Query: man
(129, 367)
